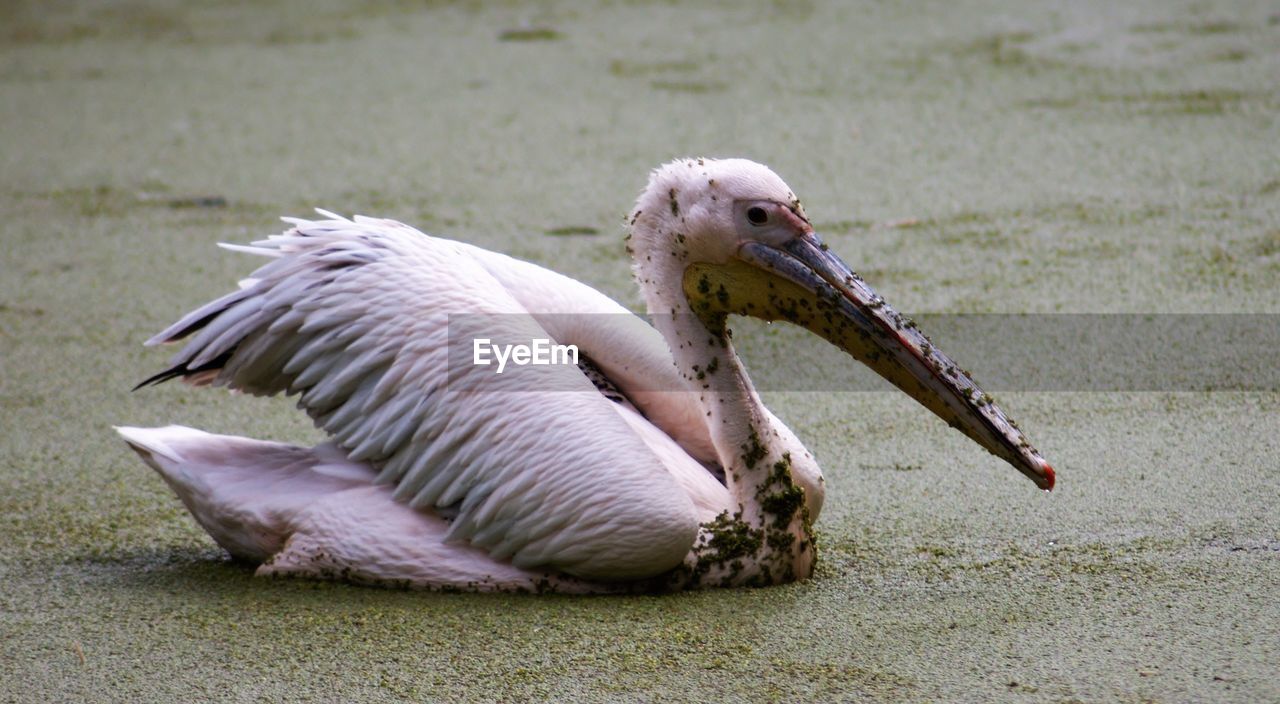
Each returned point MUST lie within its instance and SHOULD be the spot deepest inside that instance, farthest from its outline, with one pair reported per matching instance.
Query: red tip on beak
(1049, 477)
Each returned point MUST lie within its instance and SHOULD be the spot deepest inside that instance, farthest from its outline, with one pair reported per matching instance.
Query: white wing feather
(630, 352)
(354, 317)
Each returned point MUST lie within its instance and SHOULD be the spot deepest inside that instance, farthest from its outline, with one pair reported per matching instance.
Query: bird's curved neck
(765, 536)
(704, 356)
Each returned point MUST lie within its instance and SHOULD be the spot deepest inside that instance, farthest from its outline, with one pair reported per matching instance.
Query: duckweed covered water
(964, 157)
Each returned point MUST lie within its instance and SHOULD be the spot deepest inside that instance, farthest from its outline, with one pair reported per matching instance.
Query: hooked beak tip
(1049, 477)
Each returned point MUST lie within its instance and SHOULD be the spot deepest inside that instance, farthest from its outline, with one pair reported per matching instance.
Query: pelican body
(650, 465)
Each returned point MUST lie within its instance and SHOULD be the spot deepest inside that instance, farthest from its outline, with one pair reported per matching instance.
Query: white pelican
(665, 472)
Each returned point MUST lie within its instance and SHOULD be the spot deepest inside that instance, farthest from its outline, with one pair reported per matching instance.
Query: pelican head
(712, 238)
(704, 210)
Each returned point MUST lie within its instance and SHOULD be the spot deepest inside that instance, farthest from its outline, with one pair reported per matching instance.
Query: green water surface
(965, 157)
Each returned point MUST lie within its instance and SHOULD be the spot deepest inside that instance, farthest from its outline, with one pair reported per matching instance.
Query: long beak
(810, 286)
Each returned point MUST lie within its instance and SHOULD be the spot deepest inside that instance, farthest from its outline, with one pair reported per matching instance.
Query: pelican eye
(757, 215)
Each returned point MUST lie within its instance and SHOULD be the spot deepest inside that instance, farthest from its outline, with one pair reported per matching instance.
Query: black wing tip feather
(183, 371)
(159, 378)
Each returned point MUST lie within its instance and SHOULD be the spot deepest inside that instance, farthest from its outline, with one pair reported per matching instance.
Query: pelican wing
(629, 351)
(353, 316)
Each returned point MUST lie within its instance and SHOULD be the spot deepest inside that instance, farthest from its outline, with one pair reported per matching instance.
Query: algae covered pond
(973, 157)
